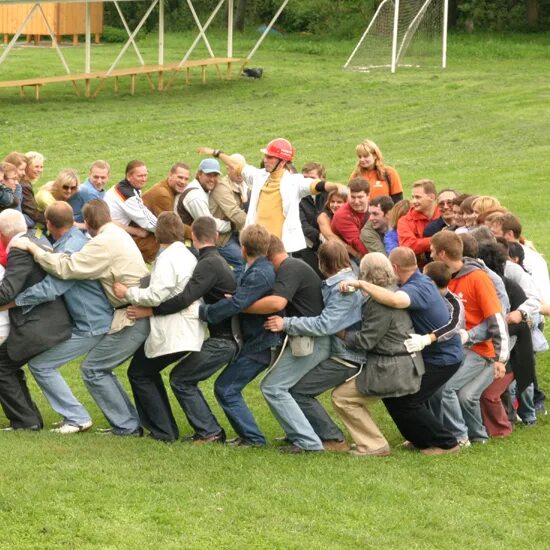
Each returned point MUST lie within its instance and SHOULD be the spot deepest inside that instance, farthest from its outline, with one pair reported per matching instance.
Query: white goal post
(403, 33)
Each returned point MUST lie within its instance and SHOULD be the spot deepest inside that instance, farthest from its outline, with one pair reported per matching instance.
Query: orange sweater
(378, 184)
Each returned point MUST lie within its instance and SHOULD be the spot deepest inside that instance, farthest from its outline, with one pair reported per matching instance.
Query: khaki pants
(351, 407)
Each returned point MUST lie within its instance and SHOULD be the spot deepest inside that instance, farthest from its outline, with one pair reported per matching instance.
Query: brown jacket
(160, 198)
(224, 203)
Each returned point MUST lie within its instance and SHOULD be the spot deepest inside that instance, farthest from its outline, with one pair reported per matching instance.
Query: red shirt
(347, 224)
(410, 229)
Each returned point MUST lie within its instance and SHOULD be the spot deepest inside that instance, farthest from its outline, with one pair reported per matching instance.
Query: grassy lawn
(480, 126)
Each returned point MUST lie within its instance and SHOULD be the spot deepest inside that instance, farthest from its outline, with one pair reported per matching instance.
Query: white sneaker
(464, 443)
(66, 428)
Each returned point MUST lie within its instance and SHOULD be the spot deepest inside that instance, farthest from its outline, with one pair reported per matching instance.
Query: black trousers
(15, 397)
(412, 415)
(151, 398)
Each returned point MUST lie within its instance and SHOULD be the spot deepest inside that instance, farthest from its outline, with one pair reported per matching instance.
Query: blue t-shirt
(86, 193)
(429, 312)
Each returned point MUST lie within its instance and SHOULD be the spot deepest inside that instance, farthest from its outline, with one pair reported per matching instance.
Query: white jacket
(294, 187)
(181, 331)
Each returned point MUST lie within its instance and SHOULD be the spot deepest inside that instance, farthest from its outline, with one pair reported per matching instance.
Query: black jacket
(212, 279)
(45, 325)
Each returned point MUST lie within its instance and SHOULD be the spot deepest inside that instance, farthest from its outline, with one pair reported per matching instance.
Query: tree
(240, 15)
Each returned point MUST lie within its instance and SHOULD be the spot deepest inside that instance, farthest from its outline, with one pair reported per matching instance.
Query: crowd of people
(434, 305)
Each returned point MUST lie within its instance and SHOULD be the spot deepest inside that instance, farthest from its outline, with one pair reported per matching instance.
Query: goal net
(403, 33)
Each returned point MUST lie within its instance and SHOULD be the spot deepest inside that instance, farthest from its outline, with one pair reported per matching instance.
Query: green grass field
(480, 126)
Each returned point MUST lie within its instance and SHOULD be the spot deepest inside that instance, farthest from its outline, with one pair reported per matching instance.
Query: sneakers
(66, 428)
(436, 451)
(540, 409)
(195, 438)
(295, 450)
(464, 443)
(336, 446)
(382, 451)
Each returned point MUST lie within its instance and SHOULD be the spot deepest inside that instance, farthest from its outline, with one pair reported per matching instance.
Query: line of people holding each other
(311, 429)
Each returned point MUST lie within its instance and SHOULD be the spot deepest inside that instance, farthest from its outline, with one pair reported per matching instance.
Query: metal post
(88, 40)
(161, 32)
(394, 37)
(229, 28)
(445, 23)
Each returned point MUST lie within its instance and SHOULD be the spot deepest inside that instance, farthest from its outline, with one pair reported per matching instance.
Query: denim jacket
(256, 282)
(90, 310)
(340, 312)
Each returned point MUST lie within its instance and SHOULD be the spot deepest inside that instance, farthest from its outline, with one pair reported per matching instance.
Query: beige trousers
(351, 407)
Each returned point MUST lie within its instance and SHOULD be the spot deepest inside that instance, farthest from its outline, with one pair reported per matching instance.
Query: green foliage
(494, 15)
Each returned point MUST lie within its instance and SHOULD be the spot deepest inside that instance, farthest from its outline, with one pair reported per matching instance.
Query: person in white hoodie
(171, 335)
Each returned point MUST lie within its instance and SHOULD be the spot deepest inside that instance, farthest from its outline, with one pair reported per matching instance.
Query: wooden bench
(132, 72)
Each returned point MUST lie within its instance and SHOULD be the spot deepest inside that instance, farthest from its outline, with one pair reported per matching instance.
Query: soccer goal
(403, 33)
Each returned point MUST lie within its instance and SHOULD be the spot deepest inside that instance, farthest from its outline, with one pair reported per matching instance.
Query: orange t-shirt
(480, 299)
(378, 185)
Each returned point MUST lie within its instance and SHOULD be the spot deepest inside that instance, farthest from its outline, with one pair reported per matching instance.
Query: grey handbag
(301, 346)
(390, 375)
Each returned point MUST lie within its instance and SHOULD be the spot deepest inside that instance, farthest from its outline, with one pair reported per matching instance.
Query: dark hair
(356, 185)
(333, 257)
(515, 250)
(439, 273)
(169, 228)
(96, 214)
(205, 230)
(510, 223)
(132, 165)
(255, 240)
(470, 246)
(384, 202)
(493, 256)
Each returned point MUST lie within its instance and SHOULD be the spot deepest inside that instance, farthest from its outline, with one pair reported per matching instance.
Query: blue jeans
(526, 409)
(276, 385)
(231, 253)
(459, 406)
(44, 368)
(228, 388)
(97, 373)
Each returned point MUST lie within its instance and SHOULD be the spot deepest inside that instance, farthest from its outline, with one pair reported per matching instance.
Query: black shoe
(196, 438)
(33, 428)
(138, 432)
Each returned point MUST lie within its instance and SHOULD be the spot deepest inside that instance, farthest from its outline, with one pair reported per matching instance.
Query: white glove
(417, 342)
(464, 336)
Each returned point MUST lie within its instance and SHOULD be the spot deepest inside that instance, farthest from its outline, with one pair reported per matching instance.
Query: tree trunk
(239, 15)
(532, 12)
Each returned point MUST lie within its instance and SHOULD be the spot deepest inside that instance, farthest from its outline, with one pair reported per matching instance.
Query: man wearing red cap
(276, 193)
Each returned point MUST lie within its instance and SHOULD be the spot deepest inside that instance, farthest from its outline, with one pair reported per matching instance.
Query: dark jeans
(326, 375)
(15, 397)
(185, 376)
(228, 388)
(150, 395)
(414, 418)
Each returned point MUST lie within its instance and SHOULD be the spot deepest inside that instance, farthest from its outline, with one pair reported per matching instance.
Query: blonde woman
(383, 180)
(34, 166)
(61, 189)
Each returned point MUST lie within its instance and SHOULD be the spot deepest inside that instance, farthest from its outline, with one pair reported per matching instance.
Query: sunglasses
(67, 187)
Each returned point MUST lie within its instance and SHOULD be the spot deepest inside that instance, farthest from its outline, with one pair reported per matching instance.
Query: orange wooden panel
(63, 18)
